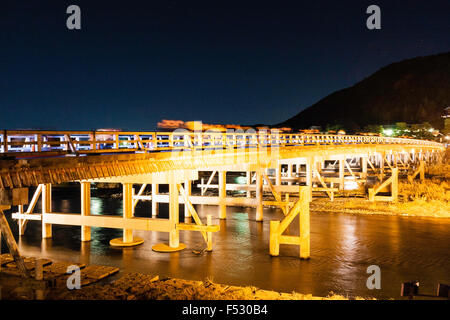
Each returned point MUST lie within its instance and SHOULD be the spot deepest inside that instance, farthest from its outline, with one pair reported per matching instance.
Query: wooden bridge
(289, 167)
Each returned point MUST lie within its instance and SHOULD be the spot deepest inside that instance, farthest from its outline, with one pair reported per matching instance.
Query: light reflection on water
(342, 247)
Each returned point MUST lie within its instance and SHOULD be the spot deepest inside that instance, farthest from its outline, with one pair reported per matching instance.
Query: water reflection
(342, 247)
(96, 206)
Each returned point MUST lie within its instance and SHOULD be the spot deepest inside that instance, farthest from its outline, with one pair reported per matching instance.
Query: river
(342, 247)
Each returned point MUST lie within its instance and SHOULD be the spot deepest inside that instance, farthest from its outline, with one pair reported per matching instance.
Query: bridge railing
(12, 141)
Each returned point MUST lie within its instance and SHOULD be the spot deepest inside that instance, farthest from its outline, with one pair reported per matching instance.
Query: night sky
(134, 63)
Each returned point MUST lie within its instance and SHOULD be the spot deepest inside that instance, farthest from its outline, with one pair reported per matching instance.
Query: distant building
(447, 125)
(446, 113)
(446, 117)
(318, 128)
(171, 125)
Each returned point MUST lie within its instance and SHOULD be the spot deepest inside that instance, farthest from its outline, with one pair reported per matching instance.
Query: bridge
(290, 169)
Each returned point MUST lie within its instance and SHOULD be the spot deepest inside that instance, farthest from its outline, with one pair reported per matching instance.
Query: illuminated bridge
(287, 168)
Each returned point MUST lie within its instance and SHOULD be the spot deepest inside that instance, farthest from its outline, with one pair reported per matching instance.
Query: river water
(342, 247)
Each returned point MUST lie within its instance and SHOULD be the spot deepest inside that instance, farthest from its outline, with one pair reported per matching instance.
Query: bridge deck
(18, 173)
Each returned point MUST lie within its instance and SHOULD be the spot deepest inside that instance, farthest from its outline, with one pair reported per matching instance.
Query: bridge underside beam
(32, 172)
(155, 177)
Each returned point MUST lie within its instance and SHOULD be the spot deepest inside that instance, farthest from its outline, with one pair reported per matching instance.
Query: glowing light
(388, 132)
(350, 184)
(240, 180)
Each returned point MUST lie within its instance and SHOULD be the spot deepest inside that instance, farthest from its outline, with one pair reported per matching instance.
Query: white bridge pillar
(127, 239)
(85, 209)
(155, 191)
(364, 167)
(248, 181)
(342, 172)
(222, 194)
(188, 191)
(46, 208)
(259, 195)
(278, 175)
(174, 234)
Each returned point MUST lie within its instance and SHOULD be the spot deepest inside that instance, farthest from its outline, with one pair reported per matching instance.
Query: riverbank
(428, 198)
(98, 283)
(137, 286)
(415, 208)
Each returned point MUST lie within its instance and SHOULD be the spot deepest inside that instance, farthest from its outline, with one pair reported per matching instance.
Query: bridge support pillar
(174, 219)
(248, 181)
(278, 175)
(363, 167)
(133, 194)
(259, 195)
(342, 173)
(174, 214)
(155, 191)
(46, 208)
(289, 173)
(85, 209)
(319, 166)
(127, 210)
(394, 185)
(308, 172)
(222, 194)
(127, 239)
(188, 190)
(304, 224)
(21, 226)
(277, 228)
(392, 182)
(309, 175)
(420, 171)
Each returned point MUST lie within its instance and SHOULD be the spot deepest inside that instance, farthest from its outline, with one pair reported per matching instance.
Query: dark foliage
(413, 91)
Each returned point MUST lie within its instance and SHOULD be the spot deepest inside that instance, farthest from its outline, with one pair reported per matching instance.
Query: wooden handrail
(102, 141)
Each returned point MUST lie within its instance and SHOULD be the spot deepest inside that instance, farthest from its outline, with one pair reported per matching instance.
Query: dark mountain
(413, 91)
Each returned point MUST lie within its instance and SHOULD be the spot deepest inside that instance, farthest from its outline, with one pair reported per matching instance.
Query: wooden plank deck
(30, 263)
(57, 271)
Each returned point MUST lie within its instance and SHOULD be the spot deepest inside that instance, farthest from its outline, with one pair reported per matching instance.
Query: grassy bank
(428, 198)
(415, 208)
